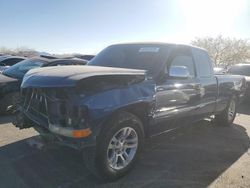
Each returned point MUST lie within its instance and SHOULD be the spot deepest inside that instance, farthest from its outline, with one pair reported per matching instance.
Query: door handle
(197, 86)
(199, 89)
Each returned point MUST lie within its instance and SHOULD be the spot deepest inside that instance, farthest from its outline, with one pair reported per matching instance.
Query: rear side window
(240, 70)
(182, 57)
(204, 64)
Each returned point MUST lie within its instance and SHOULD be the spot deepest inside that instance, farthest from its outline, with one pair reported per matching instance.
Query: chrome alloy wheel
(122, 148)
(231, 110)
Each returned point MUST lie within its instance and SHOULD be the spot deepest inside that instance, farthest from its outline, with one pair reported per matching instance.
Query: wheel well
(140, 110)
(236, 95)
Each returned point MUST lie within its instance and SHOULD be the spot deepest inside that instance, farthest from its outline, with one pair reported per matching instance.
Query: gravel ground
(201, 155)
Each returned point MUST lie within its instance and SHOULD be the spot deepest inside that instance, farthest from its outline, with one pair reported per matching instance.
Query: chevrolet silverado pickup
(127, 93)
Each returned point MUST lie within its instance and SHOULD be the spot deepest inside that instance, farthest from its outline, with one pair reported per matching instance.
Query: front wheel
(227, 117)
(117, 149)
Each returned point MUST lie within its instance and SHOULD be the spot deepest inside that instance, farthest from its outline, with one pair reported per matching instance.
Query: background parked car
(242, 69)
(11, 78)
(220, 70)
(86, 57)
(8, 60)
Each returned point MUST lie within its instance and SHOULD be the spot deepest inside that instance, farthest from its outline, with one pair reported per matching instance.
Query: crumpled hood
(68, 76)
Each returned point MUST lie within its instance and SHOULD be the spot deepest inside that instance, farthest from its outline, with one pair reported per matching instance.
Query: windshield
(18, 70)
(134, 56)
(240, 70)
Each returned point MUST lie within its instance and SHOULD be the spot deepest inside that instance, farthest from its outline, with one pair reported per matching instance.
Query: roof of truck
(160, 43)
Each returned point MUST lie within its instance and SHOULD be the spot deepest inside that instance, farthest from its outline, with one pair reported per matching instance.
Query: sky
(88, 26)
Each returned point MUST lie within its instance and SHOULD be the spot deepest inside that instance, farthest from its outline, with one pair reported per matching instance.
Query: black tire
(96, 158)
(223, 119)
(9, 103)
(21, 121)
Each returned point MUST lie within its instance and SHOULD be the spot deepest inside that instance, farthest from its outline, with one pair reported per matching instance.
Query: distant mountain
(43, 53)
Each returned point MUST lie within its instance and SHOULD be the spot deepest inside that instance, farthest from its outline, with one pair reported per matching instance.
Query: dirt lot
(201, 155)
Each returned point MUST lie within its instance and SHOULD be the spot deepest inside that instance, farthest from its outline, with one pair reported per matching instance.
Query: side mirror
(179, 72)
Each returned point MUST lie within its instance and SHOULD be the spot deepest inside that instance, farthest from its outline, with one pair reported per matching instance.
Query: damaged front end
(53, 111)
(71, 105)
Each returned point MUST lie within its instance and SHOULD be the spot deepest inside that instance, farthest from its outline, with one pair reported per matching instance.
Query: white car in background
(220, 70)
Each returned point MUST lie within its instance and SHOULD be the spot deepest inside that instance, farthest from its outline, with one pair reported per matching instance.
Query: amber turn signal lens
(81, 133)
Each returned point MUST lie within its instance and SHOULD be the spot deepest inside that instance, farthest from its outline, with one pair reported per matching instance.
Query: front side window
(186, 61)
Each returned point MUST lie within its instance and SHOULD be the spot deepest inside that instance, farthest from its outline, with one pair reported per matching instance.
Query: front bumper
(74, 138)
(75, 143)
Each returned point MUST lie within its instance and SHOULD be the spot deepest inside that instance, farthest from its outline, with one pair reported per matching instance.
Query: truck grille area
(49, 106)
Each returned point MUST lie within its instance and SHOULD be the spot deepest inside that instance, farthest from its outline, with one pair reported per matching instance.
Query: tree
(225, 51)
(21, 51)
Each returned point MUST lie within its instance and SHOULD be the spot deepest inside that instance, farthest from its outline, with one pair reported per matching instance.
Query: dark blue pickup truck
(127, 93)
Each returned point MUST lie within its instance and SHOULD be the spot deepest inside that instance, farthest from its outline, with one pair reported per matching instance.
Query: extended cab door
(208, 83)
(176, 98)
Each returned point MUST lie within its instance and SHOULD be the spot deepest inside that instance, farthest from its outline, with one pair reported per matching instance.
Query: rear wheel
(117, 148)
(227, 117)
